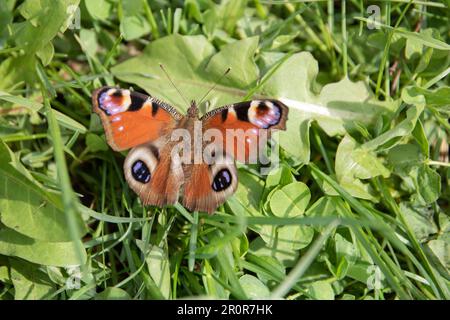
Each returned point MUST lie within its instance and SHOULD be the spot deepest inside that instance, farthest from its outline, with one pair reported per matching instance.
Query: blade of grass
(387, 84)
(236, 289)
(441, 286)
(300, 268)
(267, 76)
(184, 212)
(68, 197)
(151, 19)
(386, 49)
(193, 242)
(344, 37)
(322, 150)
(330, 9)
(109, 55)
(384, 229)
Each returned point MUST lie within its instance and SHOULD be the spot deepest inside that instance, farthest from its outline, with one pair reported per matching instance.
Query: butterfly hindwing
(153, 174)
(130, 118)
(250, 122)
(208, 185)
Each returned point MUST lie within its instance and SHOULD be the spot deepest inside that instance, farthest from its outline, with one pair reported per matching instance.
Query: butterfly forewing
(245, 126)
(130, 118)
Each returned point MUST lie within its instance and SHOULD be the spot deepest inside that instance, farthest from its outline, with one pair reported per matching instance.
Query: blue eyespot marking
(140, 172)
(222, 180)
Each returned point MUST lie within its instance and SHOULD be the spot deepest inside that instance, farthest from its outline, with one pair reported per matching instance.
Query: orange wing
(246, 126)
(132, 118)
(208, 185)
(152, 173)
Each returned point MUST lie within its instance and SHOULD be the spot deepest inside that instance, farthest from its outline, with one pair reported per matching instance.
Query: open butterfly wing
(131, 118)
(246, 126)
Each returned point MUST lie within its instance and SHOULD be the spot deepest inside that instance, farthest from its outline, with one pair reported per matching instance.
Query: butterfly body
(177, 156)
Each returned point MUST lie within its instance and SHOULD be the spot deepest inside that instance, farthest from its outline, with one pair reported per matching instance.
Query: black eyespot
(222, 180)
(140, 172)
(117, 93)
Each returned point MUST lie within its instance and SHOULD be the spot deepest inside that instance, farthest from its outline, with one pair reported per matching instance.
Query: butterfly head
(193, 110)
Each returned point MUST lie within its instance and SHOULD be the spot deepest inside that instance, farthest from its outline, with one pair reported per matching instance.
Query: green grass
(358, 207)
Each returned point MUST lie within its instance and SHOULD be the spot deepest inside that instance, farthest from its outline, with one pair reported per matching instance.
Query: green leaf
(7, 157)
(158, 267)
(420, 221)
(283, 241)
(354, 163)
(247, 198)
(106, 217)
(323, 207)
(99, 9)
(300, 148)
(33, 36)
(441, 249)
(212, 287)
(392, 137)
(60, 254)
(291, 200)
(63, 119)
(405, 156)
(30, 283)
(225, 265)
(423, 38)
(279, 176)
(6, 17)
(292, 237)
(282, 40)
(88, 41)
(295, 237)
(246, 201)
(67, 122)
(335, 108)
(321, 290)
(133, 24)
(285, 256)
(231, 11)
(428, 185)
(192, 7)
(270, 264)
(26, 208)
(4, 274)
(21, 101)
(196, 77)
(95, 143)
(133, 27)
(421, 138)
(112, 293)
(424, 61)
(46, 54)
(253, 287)
(366, 273)
(439, 97)
(345, 249)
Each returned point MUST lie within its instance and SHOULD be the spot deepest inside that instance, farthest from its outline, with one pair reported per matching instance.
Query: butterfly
(158, 174)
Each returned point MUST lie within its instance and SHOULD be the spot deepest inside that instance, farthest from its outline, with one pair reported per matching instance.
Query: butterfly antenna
(173, 84)
(214, 86)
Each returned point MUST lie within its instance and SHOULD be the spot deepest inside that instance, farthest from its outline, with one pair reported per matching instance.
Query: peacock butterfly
(203, 170)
